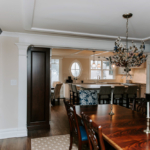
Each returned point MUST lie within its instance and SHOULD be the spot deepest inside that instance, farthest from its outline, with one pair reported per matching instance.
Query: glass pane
(96, 63)
(77, 66)
(107, 74)
(75, 73)
(106, 65)
(95, 74)
(54, 71)
(73, 66)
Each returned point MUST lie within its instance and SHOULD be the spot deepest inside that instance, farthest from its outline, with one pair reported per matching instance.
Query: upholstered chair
(130, 94)
(118, 94)
(56, 94)
(76, 130)
(94, 134)
(105, 94)
(88, 97)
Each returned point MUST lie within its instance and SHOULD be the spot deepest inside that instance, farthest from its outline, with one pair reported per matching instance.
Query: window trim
(114, 70)
(76, 61)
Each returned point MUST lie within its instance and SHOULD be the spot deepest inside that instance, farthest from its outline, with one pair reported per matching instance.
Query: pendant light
(98, 65)
(93, 65)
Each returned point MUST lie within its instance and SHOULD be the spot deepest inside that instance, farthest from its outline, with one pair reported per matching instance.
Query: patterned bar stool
(104, 94)
(118, 94)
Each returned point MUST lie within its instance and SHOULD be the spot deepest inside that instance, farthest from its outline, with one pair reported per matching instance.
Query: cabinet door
(38, 87)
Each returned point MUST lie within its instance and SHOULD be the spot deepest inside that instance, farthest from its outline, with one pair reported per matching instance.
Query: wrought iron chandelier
(127, 57)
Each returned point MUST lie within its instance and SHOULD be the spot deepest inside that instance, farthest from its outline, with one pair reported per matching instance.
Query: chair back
(132, 90)
(142, 106)
(74, 88)
(57, 91)
(95, 143)
(105, 90)
(118, 90)
(73, 122)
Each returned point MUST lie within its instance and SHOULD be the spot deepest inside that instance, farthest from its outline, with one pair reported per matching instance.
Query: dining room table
(124, 130)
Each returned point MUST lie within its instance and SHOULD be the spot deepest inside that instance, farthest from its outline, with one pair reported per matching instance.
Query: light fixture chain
(127, 38)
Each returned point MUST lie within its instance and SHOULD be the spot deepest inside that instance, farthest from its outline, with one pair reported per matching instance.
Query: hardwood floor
(58, 126)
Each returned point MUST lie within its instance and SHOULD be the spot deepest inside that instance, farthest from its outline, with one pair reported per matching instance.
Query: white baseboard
(14, 132)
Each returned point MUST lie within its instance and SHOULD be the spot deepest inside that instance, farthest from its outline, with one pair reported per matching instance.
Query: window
(75, 69)
(104, 72)
(54, 71)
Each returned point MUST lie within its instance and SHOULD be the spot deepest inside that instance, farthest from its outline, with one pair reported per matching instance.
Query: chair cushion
(83, 133)
(88, 97)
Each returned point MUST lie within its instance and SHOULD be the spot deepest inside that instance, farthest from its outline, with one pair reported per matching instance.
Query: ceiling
(79, 53)
(86, 17)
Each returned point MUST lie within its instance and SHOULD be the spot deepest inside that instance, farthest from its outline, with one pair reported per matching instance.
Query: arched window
(75, 69)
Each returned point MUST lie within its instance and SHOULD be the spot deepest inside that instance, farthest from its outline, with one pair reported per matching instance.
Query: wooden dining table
(124, 130)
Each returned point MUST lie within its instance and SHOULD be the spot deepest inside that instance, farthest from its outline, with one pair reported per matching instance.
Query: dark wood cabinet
(38, 88)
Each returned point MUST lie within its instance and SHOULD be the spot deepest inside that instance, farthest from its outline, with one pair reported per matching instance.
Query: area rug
(59, 142)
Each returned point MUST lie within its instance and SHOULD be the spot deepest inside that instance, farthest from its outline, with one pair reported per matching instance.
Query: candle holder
(147, 129)
(111, 113)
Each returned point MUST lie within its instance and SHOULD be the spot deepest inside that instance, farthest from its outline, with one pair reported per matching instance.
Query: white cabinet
(121, 70)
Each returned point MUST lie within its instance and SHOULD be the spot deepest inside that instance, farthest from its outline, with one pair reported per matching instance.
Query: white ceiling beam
(77, 52)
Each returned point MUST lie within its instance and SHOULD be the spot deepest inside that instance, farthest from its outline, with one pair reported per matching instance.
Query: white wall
(8, 92)
(13, 107)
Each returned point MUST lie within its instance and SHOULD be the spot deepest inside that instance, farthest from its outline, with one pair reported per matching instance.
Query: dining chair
(88, 97)
(140, 105)
(130, 94)
(95, 143)
(71, 92)
(104, 94)
(75, 95)
(118, 94)
(75, 129)
(56, 94)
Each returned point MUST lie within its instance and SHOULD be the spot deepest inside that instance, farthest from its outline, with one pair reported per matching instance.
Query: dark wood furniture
(38, 88)
(104, 94)
(75, 95)
(75, 129)
(124, 130)
(118, 94)
(95, 140)
(71, 92)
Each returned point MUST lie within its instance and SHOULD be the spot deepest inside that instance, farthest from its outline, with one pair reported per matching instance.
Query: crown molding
(70, 34)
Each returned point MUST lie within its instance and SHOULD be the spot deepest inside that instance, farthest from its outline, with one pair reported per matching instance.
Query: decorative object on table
(93, 64)
(69, 80)
(127, 57)
(111, 112)
(88, 97)
(98, 65)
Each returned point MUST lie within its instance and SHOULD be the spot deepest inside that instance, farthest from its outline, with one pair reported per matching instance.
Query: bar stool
(118, 94)
(105, 94)
(71, 92)
(130, 94)
(75, 95)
